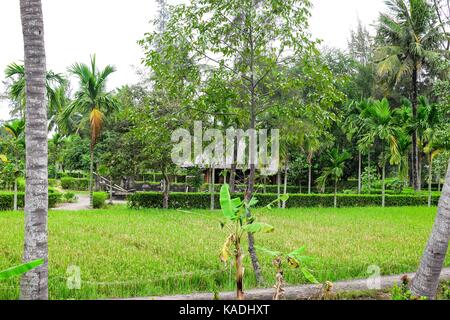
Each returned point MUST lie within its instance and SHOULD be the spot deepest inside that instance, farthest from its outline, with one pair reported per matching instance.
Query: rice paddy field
(120, 252)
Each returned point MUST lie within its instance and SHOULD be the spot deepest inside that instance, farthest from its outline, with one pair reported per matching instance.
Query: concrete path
(303, 292)
(82, 203)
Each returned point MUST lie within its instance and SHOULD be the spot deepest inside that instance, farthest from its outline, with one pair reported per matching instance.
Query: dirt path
(303, 292)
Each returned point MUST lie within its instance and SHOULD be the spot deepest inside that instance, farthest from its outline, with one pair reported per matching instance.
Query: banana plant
(240, 223)
(295, 259)
(20, 269)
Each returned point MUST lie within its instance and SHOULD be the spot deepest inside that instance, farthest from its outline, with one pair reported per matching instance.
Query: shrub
(99, 199)
(7, 200)
(69, 183)
(52, 183)
(202, 200)
(69, 196)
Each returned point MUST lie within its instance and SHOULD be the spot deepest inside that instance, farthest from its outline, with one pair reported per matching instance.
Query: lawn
(126, 253)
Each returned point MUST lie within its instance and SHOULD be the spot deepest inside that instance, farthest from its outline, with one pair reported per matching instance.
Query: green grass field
(126, 253)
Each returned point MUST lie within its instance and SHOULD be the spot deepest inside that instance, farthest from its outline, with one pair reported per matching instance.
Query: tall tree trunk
(383, 187)
(166, 190)
(285, 181)
(359, 171)
(430, 179)
(34, 284)
(233, 169)
(110, 190)
(15, 194)
(309, 173)
(426, 281)
(212, 186)
(419, 171)
(335, 193)
(415, 158)
(279, 186)
(369, 173)
(91, 177)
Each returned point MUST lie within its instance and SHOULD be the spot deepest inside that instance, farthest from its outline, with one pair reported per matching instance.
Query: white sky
(74, 29)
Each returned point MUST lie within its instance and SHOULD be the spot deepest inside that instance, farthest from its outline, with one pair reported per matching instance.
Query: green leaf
(298, 251)
(229, 207)
(252, 202)
(21, 269)
(309, 276)
(3, 158)
(269, 252)
(258, 227)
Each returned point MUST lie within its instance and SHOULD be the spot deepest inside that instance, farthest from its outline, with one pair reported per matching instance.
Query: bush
(99, 199)
(69, 196)
(7, 200)
(202, 200)
(69, 183)
(52, 183)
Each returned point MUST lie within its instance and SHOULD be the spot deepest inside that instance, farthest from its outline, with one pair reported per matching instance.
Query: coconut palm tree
(426, 281)
(34, 284)
(409, 37)
(16, 131)
(93, 102)
(16, 73)
(335, 169)
(379, 123)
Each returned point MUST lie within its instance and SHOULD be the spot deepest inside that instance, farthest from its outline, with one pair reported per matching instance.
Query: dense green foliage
(7, 200)
(75, 184)
(99, 199)
(202, 200)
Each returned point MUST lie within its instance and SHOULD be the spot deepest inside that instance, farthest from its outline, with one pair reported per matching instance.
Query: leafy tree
(250, 39)
(408, 42)
(16, 146)
(334, 170)
(93, 102)
(379, 124)
(54, 82)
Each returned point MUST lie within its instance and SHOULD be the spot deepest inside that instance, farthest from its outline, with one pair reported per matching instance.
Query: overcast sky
(74, 29)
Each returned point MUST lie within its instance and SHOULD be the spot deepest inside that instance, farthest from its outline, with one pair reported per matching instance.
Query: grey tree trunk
(359, 171)
(426, 280)
(15, 194)
(110, 190)
(212, 186)
(166, 191)
(335, 193)
(309, 175)
(430, 179)
(383, 188)
(285, 182)
(279, 186)
(91, 178)
(34, 284)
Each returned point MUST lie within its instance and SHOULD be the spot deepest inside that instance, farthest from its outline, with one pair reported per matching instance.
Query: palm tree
(16, 130)
(379, 123)
(335, 169)
(429, 123)
(16, 73)
(353, 127)
(93, 102)
(34, 284)
(409, 39)
(426, 280)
